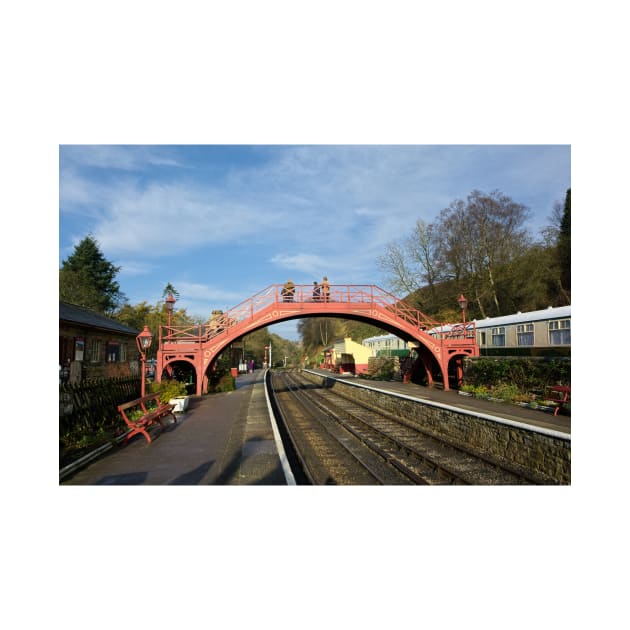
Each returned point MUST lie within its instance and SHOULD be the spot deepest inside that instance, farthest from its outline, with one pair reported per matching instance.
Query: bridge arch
(201, 345)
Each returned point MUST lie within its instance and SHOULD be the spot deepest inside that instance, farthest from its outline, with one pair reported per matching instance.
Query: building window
(525, 334)
(113, 352)
(95, 351)
(79, 347)
(482, 338)
(560, 332)
(498, 336)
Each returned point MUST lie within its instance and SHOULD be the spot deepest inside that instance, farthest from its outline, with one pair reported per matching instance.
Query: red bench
(561, 396)
(152, 411)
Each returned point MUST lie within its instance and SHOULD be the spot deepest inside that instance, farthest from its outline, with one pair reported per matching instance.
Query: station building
(93, 346)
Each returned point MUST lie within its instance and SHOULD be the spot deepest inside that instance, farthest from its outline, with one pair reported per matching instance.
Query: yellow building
(349, 356)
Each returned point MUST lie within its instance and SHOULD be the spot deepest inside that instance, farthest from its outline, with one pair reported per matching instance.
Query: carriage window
(560, 332)
(498, 336)
(525, 334)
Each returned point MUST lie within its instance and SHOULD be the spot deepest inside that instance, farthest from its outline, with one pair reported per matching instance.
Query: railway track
(341, 442)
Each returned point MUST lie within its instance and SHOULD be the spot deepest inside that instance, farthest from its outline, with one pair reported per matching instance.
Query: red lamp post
(170, 304)
(144, 340)
(463, 303)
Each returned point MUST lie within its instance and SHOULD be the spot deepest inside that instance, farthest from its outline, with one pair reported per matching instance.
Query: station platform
(524, 415)
(223, 439)
(228, 438)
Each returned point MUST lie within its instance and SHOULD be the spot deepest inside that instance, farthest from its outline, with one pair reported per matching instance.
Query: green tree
(87, 278)
(564, 244)
(136, 316)
(74, 287)
(169, 289)
(143, 314)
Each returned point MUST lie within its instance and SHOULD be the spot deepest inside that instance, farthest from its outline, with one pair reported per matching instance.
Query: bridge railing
(465, 333)
(221, 322)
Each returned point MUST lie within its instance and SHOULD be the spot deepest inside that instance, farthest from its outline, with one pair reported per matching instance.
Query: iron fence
(92, 404)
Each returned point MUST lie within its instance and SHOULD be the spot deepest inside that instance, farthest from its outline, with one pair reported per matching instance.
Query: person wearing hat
(325, 289)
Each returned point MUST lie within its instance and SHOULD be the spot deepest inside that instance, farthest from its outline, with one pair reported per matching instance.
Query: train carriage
(545, 332)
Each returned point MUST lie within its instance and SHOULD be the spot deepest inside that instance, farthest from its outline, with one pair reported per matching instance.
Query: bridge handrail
(221, 323)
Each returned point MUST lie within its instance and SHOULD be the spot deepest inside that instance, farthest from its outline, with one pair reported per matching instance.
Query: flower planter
(180, 402)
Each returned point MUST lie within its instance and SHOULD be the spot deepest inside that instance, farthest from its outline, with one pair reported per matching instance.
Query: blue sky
(222, 222)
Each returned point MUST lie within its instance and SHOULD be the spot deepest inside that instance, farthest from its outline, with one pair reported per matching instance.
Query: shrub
(524, 373)
(386, 371)
(506, 391)
(227, 383)
(167, 389)
(514, 379)
(221, 382)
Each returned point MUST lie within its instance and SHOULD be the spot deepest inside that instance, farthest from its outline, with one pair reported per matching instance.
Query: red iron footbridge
(200, 345)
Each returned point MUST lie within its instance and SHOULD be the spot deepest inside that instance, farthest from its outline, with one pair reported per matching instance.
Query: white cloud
(306, 263)
(325, 196)
(175, 216)
(135, 267)
(204, 292)
(130, 158)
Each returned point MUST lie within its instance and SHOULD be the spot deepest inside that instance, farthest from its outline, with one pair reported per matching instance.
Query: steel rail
(510, 474)
(301, 399)
(508, 467)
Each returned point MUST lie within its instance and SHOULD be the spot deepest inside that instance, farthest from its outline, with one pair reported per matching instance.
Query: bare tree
(402, 278)
(482, 237)
(415, 261)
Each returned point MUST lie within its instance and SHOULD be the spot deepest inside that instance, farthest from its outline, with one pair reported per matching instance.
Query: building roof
(85, 317)
(557, 312)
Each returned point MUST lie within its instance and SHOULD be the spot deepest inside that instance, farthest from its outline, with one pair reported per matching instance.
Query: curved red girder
(201, 345)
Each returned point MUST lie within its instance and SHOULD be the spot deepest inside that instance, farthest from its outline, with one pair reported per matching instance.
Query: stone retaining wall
(545, 456)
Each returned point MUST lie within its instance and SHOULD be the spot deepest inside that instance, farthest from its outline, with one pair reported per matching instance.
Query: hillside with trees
(480, 248)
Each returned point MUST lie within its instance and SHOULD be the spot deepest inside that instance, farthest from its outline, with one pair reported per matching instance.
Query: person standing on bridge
(288, 291)
(316, 292)
(325, 289)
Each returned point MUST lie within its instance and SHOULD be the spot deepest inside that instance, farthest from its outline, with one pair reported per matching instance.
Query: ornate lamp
(144, 340)
(170, 305)
(463, 303)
